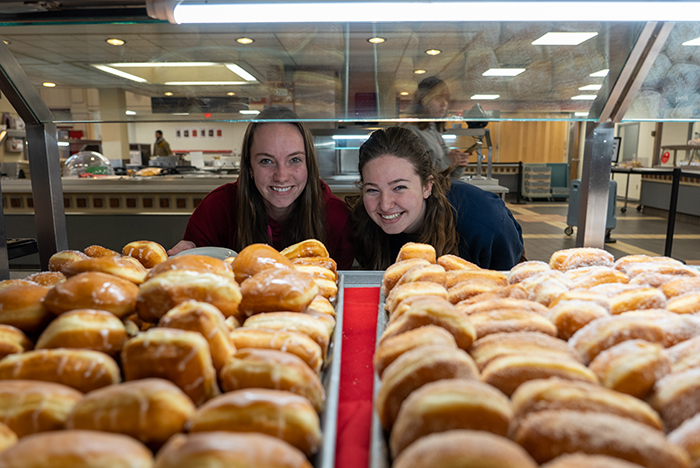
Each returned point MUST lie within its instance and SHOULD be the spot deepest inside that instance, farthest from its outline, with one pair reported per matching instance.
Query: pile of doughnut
(580, 362)
(111, 358)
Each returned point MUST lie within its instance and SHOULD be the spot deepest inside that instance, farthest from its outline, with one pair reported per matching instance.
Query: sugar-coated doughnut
(650, 314)
(393, 274)
(545, 435)
(149, 410)
(654, 279)
(580, 460)
(490, 347)
(686, 304)
(406, 304)
(503, 304)
(678, 328)
(325, 262)
(470, 288)
(65, 257)
(85, 329)
(631, 367)
(83, 370)
(316, 271)
(310, 325)
(228, 449)
(415, 368)
(582, 295)
(179, 356)
(661, 268)
(389, 349)
(454, 277)
(419, 288)
(513, 291)
(415, 250)
(462, 448)
(431, 273)
(586, 278)
(623, 263)
(93, 290)
(680, 286)
(687, 436)
(31, 406)
(47, 278)
(256, 258)
(447, 405)
(127, 268)
(13, 341)
(570, 316)
(206, 320)
(199, 263)
(676, 397)
(558, 394)
(7, 437)
(637, 299)
(96, 251)
(149, 253)
(569, 259)
(524, 270)
(545, 292)
(434, 312)
(306, 248)
(453, 262)
(684, 355)
(499, 321)
(285, 415)
(23, 307)
(168, 289)
(292, 342)
(77, 449)
(322, 305)
(276, 290)
(276, 370)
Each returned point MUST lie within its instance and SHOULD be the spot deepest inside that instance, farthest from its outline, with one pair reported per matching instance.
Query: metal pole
(520, 183)
(675, 188)
(346, 70)
(4, 257)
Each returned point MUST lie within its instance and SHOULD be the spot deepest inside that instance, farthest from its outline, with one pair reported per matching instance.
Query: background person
(161, 147)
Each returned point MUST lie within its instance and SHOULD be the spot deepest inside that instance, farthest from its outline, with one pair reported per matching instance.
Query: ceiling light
(230, 93)
(433, 51)
(114, 71)
(591, 87)
(63, 143)
(130, 112)
(449, 136)
(162, 64)
(564, 38)
(115, 42)
(485, 96)
(376, 40)
(240, 72)
(48, 84)
(419, 72)
(204, 83)
(584, 97)
(503, 72)
(6, 42)
(168, 93)
(249, 112)
(181, 113)
(245, 40)
(350, 137)
(600, 74)
(693, 42)
(404, 93)
(581, 114)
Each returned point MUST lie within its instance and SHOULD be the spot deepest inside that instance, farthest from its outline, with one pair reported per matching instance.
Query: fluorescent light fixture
(48, 84)
(433, 51)
(114, 71)
(503, 72)
(162, 64)
(693, 42)
(584, 97)
(591, 87)
(449, 136)
(181, 113)
(240, 72)
(350, 137)
(564, 38)
(249, 112)
(63, 143)
(376, 40)
(204, 83)
(246, 11)
(600, 74)
(485, 96)
(130, 112)
(115, 42)
(581, 114)
(245, 40)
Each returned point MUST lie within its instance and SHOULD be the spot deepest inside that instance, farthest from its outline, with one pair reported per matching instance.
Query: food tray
(378, 445)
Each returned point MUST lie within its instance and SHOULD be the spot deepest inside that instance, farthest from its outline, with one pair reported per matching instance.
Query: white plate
(216, 252)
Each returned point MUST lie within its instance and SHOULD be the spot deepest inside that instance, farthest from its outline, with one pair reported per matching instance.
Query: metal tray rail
(378, 445)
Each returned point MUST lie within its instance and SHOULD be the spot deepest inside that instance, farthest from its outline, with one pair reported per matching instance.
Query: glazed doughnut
(447, 405)
(179, 356)
(65, 257)
(326, 288)
(83, 370)
(687, 436)
(227, 449)
(206, 320)
(389, 349)
(437, 312)
(419, 288)
(415, 368)
(393, 274)
(513, 291)
(13, 341)
(597, 275)
(582, 295)
(127, 268)
(653, 279)
(415, 250)
(256, 258)
(571, 316)
(499, 321)
(627, 261)
(454, 277)
(96, 251)
(310, 325)
(569, 259)
(7, 284)
(521, 305)
(47, 278)
(30, 406)
(306, 248)
(321, 305)
(198, 263)
(22, 307)
(93, 290)
(464, 449)
(524, 270)
(148, 253)
(275, 370)
(547, 291)
(507, 373)
(676, 397)
(149, 410)
(277, 290)
(497, 345)
(453, 262)
(291, 342)
(631, 367)
(684, 355)
(316, 271)
(325, 262)
(556, 394)
(285, 415)
(606, 332)
(166, 290)
(546, 435)
(77, 449)
(324, 319)
(470, 288)
(680, 286)
(685, 304)
(7, 437)
(431, 273)
(637, 299)
(580, 460)
(97, 330)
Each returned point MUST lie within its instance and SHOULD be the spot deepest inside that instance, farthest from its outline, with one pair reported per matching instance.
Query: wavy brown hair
(372, 244)
(430, 88)
(308, 217)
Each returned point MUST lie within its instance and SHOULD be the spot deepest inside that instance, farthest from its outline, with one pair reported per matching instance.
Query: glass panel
(325, 72)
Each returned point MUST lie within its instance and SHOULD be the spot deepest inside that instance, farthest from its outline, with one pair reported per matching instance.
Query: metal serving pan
(378, 445)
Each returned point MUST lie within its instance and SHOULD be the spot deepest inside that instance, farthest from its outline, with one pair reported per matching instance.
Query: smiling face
(393, 194)
(278, 161)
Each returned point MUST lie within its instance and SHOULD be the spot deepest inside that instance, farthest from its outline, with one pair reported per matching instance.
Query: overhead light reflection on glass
(592, 87)
(48, 84)
(503, 72)
(230, 93)
(129, 112)
(249, 112)
(584, 97)
(115, 42)
(600, 74)
(564, 38)
(245, 40)
(404, 93)
(477, 97)
(581, 114)
(350, 137)
(419, 72)
(376, 40)
(168, 93)
(433, 51)
(693, 42)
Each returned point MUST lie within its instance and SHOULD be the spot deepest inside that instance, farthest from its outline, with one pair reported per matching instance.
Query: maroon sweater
(214, 223)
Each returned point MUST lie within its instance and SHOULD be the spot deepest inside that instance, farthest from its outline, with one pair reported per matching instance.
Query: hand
(180, 246)
(459, 158)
